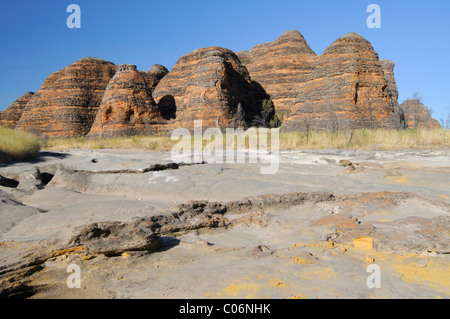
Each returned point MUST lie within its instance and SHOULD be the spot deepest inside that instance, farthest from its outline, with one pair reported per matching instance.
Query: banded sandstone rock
(155, 75)
(68, 101)
(388, 69)
(417, 115)
(208, 84)
(127, 107)
(280, 67)
(12, 114)
(347, 89)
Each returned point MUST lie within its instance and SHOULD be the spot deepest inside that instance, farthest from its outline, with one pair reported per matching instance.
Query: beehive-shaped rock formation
(127, 107)
(347, 89)
(10, 116)
(208, 84)
(280, 67)
(417, 115)
(68, 101)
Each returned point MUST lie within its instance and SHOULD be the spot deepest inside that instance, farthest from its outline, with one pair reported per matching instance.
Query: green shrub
(245, 61)
(267, 118)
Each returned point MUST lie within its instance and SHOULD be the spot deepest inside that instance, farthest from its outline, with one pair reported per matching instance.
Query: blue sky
(35, 40)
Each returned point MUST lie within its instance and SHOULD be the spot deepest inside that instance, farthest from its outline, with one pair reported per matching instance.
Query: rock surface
(347, 89)
(138, 227)
(12, 114)
(127, 107)
(417, 115)
(208, 84)
(67, 102)
(114, 238)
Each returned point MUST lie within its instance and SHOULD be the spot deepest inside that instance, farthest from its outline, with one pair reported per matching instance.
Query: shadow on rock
(167, 107)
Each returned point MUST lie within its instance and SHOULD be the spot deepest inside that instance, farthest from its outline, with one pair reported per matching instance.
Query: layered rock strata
(280, 67)
(68, 101)
(10, 116)
(209, 84)
(388, 69)
(127, 107)
(348, 89)
(417, 115)
(155, 75)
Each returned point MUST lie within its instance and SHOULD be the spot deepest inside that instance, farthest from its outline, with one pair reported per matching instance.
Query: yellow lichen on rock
(87, 257)
(277, 283)
(365, 243)
(250, 290)
(304, 260)
(370, 259)
(435, 275)
(299, 296)
(321, 274)
(401, 180)
(67, 251)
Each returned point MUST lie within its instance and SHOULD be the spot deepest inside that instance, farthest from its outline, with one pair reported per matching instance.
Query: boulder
(115, 238)
(22, 177)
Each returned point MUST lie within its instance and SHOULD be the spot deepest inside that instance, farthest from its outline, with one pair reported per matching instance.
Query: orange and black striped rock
(208, 84)
(10, 116)
(127, 107)
(280, 67)
(347, 89)
(417, 115)
(155, 75)
(68, 101)
(388, 69)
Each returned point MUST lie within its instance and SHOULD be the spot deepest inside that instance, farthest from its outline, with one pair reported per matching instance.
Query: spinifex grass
(17, 146)
(366, 139)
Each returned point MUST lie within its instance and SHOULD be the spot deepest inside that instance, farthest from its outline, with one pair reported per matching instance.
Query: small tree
(417, 97)
(447, 124)
(416, 111)
(267, 118)
(333, 120)
(240, 116)
(307, 126)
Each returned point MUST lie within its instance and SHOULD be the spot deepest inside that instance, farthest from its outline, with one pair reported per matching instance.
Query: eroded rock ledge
(114, 238)
(146, 235)
(140, 234)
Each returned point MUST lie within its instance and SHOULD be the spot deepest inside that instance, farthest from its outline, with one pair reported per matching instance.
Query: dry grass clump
(155, 143)
(17, 146)
(365, 139)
